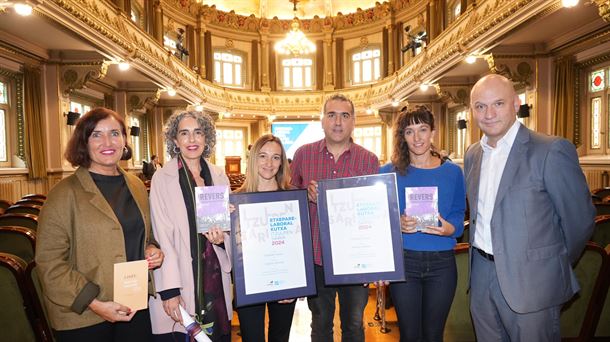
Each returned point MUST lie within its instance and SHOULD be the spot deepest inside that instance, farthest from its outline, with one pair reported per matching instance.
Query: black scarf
(203, 300)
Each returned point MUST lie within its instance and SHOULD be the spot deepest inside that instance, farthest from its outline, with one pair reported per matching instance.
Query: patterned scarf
(209, 295)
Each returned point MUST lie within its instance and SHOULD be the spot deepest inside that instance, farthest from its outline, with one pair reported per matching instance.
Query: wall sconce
(71, 118)
(461, 124)
(134, 131)
(524, 111)
(471, 59)
(123, 66)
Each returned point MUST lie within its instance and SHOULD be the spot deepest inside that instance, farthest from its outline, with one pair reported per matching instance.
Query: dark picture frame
(361, 187)
(260, 226)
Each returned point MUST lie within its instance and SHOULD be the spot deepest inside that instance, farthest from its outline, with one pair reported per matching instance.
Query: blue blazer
(542, 217)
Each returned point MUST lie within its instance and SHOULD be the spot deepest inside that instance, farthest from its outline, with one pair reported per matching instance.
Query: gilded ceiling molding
(453, 94)
(513, 67)
(387, 117)
(251, 23)
(603, 8)
(140, 101)
(479, 27)
(17, 54)
(77, 76)
(600, 37)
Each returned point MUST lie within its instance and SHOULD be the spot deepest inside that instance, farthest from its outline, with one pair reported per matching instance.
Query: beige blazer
(171, 229)
(79, 239)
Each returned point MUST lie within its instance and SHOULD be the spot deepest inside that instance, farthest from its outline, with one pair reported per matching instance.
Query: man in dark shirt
(149, 169)
(335, 156)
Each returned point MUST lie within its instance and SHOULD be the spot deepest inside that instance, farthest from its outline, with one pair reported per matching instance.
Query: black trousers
(138, 329)
(252, 322)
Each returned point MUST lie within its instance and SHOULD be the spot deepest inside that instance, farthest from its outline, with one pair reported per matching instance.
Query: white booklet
(131, 284)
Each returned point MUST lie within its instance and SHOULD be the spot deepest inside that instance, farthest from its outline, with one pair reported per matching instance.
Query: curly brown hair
(205, 122)
(400, 155)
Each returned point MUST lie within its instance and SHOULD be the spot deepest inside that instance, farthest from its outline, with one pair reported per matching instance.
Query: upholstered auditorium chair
(580, 315)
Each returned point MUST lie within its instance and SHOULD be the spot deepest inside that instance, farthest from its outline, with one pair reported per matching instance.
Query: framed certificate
(360, 229)
(272, 252)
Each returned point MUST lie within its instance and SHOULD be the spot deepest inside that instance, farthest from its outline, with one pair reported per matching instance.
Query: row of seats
(585, 317)
(236, 180)
(18, 225)
(601, 200)
(28, 204)
(23, 316)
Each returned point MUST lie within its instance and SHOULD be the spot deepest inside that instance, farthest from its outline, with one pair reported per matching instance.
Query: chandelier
(295, 42)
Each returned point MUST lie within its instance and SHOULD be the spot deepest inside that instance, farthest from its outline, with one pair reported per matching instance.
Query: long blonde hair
(283, 173)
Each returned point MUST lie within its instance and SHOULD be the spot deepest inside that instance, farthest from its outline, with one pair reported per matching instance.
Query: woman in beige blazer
(196, 272)
(91, 220)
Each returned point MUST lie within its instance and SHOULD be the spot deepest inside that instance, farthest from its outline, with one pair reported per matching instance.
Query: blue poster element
(295, 134)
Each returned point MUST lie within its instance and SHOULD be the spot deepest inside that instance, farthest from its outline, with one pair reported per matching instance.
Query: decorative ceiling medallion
(364, 42)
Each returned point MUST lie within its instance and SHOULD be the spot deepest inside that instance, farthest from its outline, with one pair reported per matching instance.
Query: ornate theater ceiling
(283, 8)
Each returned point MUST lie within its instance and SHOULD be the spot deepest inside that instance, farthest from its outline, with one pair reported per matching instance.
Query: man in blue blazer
(530, 217)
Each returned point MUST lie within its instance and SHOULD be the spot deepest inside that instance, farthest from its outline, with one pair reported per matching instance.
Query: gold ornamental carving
(603, 8)
(364, 42)
(452, 94)
(142, 101)
(521, 73)
(118, 36)
(78, 76)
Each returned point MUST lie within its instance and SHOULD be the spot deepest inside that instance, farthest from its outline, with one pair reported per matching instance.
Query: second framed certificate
(272, 253)
(360, 229)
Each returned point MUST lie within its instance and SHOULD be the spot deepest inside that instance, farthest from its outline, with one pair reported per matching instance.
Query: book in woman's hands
(212, 208)
(422, 204)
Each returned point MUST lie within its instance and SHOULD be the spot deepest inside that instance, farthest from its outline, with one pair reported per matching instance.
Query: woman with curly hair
(424, 299)
(197, 269)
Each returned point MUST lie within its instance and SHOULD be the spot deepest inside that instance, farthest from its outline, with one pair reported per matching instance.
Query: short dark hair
(77, 151)
(340, 98)
(419, 115)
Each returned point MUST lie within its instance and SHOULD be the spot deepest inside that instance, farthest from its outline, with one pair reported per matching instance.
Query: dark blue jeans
(423, 301)
(352, 300)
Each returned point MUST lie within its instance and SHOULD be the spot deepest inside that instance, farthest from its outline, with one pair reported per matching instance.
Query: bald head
(493, 82)
(494, 106)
